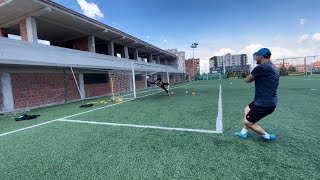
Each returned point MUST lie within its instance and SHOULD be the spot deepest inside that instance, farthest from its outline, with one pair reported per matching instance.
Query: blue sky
(287, 27)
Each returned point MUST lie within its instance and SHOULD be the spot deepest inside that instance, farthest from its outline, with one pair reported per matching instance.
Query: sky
(289, 28)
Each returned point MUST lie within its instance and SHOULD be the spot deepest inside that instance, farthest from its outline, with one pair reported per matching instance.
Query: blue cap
(265, 52)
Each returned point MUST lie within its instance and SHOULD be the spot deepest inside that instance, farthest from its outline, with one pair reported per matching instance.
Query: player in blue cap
(266, 77)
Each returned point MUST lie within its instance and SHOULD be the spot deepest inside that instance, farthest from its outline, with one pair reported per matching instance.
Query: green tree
(292, 69)
(283, 71)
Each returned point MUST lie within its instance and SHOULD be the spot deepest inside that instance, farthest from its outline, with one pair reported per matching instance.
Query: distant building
(233, 63)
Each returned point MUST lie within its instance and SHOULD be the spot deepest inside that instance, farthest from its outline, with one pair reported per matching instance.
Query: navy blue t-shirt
(266, 81)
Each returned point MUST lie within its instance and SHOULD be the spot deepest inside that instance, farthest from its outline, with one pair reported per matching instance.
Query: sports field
(182, 136)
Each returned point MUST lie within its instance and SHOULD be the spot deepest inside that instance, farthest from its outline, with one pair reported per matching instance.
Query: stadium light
(193, 46)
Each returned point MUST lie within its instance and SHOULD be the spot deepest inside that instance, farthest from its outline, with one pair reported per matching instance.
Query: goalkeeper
(161, 84)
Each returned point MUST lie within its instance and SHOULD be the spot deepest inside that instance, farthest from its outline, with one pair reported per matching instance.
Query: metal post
(305, 65)
(193, 65)
(134, 81)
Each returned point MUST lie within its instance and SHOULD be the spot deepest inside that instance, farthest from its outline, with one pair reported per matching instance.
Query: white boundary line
(219, 127)
(3, 134)
(140, 126)
(10, 132)
(304, 79)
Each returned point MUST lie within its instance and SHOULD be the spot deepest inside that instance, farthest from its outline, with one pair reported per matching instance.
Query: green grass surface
(63, 150)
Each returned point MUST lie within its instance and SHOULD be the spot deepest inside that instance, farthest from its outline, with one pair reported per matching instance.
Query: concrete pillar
(149, 57)
(28, 30)
(158, 60)
(3, 32)
(81, 85)
(8, 104)
(146, 81)
(111, 48)
(136, 54)
(126, 52)
(91, 44)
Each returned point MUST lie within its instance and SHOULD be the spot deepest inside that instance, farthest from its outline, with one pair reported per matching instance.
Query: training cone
(193, 93)
(172, 92)
(120, 100)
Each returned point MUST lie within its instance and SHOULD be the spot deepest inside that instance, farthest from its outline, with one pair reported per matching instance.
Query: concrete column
(136, 54)
(111, 48)
(91, 44)
(28, 30)
(149, 57)
(81, 85)
(146, 81)
(8, 104)
(158, 60)
(126, 52)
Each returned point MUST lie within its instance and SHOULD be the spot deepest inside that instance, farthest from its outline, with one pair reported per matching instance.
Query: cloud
(303, 38)
(302, 21)
(223, 51)
(90, 9)
(277, 38)
(316, 37)
(165, 41)
(148, 37)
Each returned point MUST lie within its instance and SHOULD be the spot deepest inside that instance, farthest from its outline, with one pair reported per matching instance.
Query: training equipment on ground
(26, 117)
(193, 93)
(172, 92)
(119, 100)
(186, 92)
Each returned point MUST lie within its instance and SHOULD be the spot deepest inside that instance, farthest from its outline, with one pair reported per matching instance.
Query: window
(95, 78)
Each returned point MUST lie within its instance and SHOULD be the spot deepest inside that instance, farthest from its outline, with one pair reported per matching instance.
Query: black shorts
(256, 113)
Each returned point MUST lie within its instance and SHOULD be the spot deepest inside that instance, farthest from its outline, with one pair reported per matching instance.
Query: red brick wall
(72, 89)
(31, 90)
(3, 32)
(81, 44)
(122, 83)
(140, 85)
(23, 30)
(93, 90)
(192, 67)
(1, 96)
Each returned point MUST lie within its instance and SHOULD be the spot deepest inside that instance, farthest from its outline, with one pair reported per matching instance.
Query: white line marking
(140, 126)
(304, 79)
(3, 134)
(219, 127)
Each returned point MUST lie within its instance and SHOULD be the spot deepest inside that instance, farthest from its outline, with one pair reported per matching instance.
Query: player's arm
(151, 82)
(249, 78)
(255, 74)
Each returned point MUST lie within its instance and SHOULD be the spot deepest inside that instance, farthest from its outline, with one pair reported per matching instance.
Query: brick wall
(23, 30)
(81, 44)
(3, 32)
(72, 89)
(93, 90)
(32, 90)
(123, 82)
